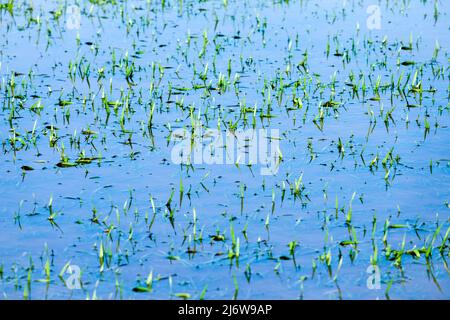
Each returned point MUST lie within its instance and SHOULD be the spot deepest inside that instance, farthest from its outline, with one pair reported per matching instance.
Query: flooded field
(223, 149)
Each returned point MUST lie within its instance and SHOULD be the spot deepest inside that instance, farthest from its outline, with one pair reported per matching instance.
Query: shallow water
(104, 216)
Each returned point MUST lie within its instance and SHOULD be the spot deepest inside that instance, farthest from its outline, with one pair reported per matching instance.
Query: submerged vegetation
(90, 103)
